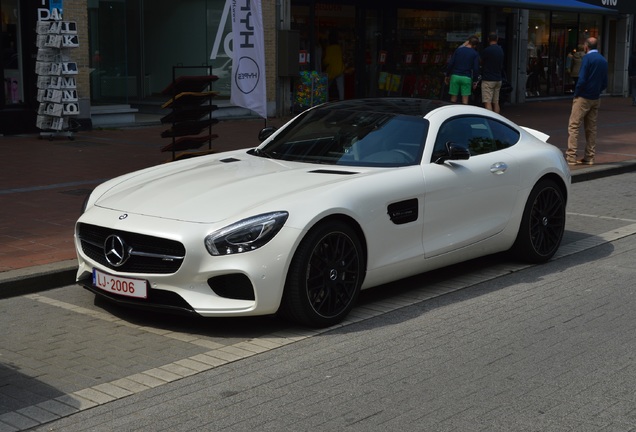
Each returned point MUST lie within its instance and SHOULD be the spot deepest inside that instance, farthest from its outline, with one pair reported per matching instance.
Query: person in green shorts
(462, 71)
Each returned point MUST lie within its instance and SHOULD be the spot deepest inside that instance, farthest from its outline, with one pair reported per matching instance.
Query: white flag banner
(248, 56)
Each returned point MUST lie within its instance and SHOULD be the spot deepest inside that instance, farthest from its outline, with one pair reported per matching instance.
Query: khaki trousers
(583, 111)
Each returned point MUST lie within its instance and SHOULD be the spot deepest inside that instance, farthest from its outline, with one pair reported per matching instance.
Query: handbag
(506, 87)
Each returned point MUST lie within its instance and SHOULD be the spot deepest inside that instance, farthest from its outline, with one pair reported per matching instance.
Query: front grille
(148, 254)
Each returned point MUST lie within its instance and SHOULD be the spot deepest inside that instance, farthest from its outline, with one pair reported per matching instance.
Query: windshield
(350, 137)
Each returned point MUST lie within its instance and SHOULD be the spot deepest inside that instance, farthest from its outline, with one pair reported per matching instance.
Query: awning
(622, 6)
(584, 6)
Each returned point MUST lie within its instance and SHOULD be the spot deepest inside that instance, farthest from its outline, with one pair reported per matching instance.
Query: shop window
(537, 61)
(135, 62)
(425, 41)
(331, 20)
(12, 62)
(553, 39)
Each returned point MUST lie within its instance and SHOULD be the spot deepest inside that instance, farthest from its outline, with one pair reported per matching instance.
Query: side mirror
(265, 133)
(456, 152)
(453, 152)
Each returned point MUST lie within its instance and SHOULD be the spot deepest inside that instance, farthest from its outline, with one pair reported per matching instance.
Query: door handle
(498, 168)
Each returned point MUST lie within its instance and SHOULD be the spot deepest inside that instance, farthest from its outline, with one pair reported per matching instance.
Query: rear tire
(542, 225)
(325, 276)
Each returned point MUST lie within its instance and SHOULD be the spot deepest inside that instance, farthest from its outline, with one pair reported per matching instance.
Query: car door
(468, 201)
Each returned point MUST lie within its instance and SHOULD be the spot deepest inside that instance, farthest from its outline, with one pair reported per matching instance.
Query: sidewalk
(44, 183)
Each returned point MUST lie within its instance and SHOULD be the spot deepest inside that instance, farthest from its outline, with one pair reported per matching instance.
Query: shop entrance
(11, 64)
(557, 60)
(328, 46)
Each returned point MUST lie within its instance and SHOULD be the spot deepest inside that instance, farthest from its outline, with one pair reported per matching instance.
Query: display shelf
(56, 82)
(181, 129)
(189, 143)
(188, 113)
(190, 118)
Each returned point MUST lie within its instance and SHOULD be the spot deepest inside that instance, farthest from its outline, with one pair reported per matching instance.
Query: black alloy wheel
(543, 223)
(325, 276)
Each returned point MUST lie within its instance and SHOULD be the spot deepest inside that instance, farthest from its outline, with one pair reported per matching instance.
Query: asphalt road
(489, 345)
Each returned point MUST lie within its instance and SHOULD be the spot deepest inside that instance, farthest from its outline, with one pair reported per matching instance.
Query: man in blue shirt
(592, 81)
(462, 70)
(492, 62)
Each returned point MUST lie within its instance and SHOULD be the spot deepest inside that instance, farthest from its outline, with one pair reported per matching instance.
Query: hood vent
(228, 160)
(325, 171)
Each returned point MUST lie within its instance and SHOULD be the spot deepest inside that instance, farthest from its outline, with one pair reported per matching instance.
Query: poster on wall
(50, 10)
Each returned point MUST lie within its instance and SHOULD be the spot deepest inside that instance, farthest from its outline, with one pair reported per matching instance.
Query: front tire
(543, 223)
(325, 276)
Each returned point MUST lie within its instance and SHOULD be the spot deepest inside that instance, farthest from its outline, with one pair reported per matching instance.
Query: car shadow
(230, 327)
(253, 327)
(529, 274)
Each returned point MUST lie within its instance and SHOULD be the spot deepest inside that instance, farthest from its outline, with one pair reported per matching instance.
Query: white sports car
(345, 196)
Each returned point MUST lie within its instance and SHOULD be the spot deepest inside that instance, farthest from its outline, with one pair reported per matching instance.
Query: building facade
(129, 48)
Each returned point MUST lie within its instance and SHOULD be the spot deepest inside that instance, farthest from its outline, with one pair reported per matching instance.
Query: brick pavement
(525, 345)
(507, 355)
(510, 354)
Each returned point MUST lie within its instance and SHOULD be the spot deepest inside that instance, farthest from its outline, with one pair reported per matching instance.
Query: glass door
(538, 45)
(110, 78)
(11, 63)
(557, 60)
(563, 44)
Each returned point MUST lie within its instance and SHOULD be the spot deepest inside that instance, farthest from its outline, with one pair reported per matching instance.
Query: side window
(452, 131)
(480, 135)
(481, 140)
(504, 135)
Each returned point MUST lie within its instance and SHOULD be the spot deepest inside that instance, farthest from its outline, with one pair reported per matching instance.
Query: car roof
(402, 106)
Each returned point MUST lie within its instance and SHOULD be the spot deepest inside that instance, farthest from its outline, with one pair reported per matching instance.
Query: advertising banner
(49, 10)
(248, 56)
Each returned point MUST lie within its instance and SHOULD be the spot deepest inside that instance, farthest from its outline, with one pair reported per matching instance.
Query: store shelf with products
(431, 37)
(191, 108)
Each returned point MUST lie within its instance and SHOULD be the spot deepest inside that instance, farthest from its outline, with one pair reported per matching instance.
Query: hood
(216, 187)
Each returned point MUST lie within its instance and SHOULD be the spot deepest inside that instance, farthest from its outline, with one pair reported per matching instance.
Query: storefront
(553, 41)
(16, 114)
(390, 51)
(130, 47)
(402, 50)
(127, 51)
(22, 41)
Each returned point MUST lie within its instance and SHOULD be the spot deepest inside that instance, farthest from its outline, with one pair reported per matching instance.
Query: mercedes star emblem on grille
(115, 250)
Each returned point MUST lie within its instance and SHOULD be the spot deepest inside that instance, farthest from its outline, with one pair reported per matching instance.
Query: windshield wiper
(262, 153)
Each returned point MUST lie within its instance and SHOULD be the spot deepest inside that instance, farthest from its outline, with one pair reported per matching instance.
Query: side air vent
(403, 212)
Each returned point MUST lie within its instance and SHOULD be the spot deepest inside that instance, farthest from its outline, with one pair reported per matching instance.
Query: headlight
(245, 235)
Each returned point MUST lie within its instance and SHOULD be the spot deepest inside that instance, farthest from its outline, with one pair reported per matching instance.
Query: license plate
(118, 285)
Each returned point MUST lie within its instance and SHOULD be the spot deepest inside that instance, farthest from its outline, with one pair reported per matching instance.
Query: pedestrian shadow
(20, 390)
